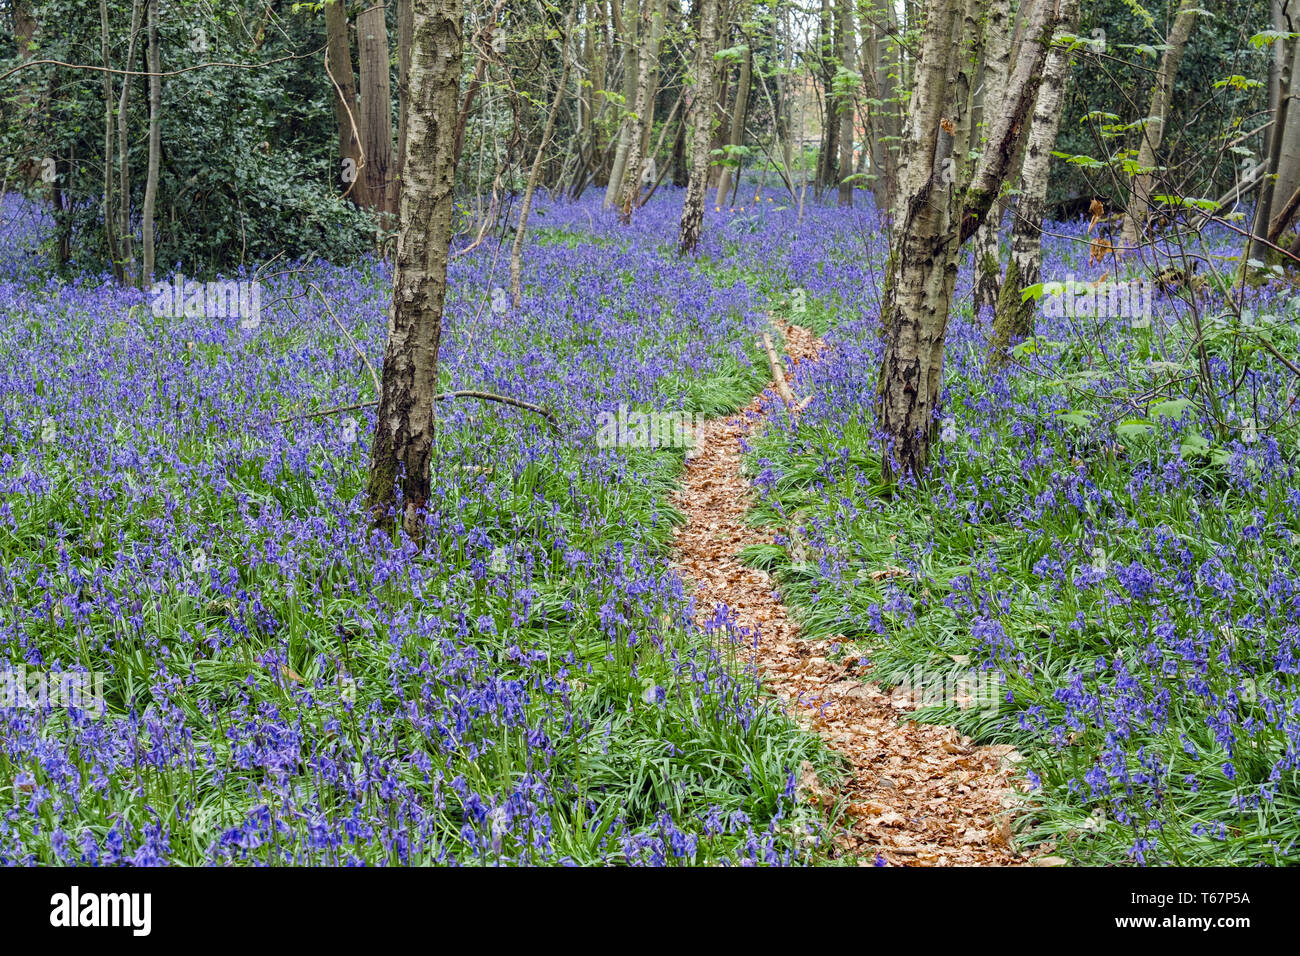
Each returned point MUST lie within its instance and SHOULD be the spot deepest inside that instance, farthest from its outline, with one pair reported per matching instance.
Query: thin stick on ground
(541, 410)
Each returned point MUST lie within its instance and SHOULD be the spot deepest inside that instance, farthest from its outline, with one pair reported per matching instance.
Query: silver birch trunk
(651, 29)
(935, 218)
(1154, 131)
(997, 64)
(1015, 318)
(401, 451)
(702, 107)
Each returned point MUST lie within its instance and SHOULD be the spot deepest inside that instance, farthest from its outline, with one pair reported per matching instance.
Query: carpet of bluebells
(1124, 560)
(285, 685)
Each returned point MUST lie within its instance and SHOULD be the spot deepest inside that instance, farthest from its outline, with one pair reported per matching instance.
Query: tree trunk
(380, 192)
(650, 31)
(783, 129)
(588, 133)
(882, 131)
(935, 218)
(485, 38)
(966, 80)
(24, 27)
(24, 97)
(631, 59)
(997, 63)
(846, 100)
(1154, 131)
(124, 145)
(1273, 158)
(62, 203)
(681, 172)
(1277, 61)
(404, 14)
(918, 289)
(721, 95)
(1015, 317)
(702, 106)
(110, 212)
(155, 147)
(516, 290)
(1287, 150)
(647, 124)
(338, 57)
(736, 138)
(402, 448)
(827, 58)
(1277, 144)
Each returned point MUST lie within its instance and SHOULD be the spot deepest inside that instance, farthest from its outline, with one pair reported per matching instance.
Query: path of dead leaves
(918, 794)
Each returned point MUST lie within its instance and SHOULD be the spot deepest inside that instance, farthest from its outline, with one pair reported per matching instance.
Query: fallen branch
(324, 412)
(541, 410)
(778, 371)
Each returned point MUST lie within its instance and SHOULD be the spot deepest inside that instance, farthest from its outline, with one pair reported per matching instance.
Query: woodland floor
(916, 794)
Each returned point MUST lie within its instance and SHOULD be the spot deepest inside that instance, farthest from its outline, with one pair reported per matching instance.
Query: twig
(379, 389)
(28, 64)
(356, 134)
(324, 412)
(1268, 346)
(488, 218)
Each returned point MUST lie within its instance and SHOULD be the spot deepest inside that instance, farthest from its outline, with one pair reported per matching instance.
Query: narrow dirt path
(919, 794)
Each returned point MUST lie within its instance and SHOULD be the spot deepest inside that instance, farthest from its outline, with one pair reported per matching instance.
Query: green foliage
(1220, 81)
(247, 159)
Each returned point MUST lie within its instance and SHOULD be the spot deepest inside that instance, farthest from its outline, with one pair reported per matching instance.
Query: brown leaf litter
(918, 794)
